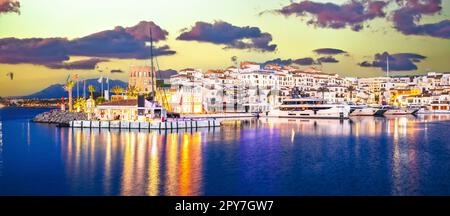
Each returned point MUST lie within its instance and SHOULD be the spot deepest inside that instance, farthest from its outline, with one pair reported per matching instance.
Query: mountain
(57, 90)
(165, 74)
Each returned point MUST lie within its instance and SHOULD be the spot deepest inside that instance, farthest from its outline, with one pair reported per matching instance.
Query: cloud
(117, 71)
(329, 15)
(33, 50)
(121, 43)
(406, 17)
(305, 61)
(278, 61)
(302, 61)
(9, 6)
(329, 51)
(229, 35)
(397, 62)
(327, 59)
(87, 64)
(117, 43)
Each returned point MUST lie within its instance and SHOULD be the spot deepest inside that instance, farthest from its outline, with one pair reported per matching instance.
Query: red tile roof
(127, 102)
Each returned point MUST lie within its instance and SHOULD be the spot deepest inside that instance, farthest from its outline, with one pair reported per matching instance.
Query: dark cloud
(305, 61)
(329, 51)
(302, 61)
(229, 35)
(327, 59)
(278, 61)
(33, 50)
(117, 71)
(87, 64)
(329, 15)
(121, 43)
(118, 43)
(397, 62)
(9, 6)
(411, 11)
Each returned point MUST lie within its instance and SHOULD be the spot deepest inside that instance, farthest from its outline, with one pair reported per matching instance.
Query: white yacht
(399, 111)
(364, 110)
(309, 108)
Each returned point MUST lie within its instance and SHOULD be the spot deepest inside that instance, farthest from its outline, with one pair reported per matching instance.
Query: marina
(362, 155)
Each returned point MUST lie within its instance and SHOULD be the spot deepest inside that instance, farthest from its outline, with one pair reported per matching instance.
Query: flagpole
(78, 90)
(84, 89)
(102, 87)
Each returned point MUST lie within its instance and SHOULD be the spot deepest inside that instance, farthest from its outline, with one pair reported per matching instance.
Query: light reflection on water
(154, 163)
(144, 163)
(402, 155)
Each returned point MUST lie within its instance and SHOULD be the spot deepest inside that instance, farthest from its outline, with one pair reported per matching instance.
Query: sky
(44, 41)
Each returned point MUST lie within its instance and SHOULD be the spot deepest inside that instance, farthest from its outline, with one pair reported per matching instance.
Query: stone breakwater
(59, 117)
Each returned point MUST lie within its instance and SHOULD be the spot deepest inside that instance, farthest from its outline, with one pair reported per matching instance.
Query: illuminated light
(292, 136)
(108, 161)
(171, 183)
(128, 166)
(184, 168)
(153, 168)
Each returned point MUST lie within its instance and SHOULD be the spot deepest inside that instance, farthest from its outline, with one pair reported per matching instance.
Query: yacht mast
(387, 81)
(151, 65)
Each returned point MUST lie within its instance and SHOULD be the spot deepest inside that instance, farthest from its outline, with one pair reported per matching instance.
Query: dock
(220, 115)
(141, 125)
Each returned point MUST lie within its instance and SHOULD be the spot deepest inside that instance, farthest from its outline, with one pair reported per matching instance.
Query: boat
(1, 105)
(400, 111)
(435, 108)
(309, 108)
(363, 110)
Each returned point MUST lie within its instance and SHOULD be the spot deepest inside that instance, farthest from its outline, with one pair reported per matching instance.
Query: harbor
(362, 155)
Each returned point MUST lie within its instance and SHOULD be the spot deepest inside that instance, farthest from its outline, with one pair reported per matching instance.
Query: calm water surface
(361, 156)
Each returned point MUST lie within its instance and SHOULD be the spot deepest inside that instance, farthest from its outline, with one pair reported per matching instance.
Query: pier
(167, 125)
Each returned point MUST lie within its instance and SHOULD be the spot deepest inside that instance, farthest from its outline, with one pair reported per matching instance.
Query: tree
(68, 87)
(91, 89)
(351, 89)
(117, 90)
(100, 100)
(132, 91)
(322, 90)
(80, 104)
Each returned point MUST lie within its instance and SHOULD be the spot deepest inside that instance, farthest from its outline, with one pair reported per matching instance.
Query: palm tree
(80, 104)
(322, 90)
(351, 89)
(117, 90)
(68, 87)
(132, 91)
(91, 89)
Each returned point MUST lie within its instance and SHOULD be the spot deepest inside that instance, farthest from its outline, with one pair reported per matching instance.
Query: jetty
(219, 115)
(142, 125)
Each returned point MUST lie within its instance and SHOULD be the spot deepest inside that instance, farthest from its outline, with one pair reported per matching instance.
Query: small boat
(309, 108)
(400, 111)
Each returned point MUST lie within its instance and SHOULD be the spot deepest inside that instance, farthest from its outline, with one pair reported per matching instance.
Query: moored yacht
(363, 110)
(400, 111)
(309, 108)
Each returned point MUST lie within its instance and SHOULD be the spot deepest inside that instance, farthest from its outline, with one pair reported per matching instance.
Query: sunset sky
(351, 38)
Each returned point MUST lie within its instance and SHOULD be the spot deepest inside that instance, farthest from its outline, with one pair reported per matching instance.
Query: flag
(68, 77)
(100, 80)
(107, 80)
(181, 101)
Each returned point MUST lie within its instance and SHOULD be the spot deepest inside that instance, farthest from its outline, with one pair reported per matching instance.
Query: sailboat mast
(387, 66)
(151, 65)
